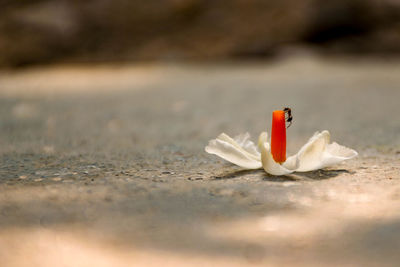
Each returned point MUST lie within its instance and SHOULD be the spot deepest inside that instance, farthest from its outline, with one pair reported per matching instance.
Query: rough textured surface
(105, 165)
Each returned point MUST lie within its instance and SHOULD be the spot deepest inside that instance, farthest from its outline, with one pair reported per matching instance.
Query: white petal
(268, 163)
(317, 153)
(244, 141)
(292, 163)
(336, 153)
(242, 153)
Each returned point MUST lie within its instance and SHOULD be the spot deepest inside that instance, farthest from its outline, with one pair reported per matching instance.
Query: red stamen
(278, 136)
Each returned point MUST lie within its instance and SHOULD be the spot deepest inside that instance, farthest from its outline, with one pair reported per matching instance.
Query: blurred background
(106, 107)
(46, 31)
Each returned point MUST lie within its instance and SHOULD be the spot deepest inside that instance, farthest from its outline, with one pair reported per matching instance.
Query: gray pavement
(105, 165)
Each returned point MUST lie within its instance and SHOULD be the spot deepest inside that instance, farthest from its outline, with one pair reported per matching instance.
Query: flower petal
(244, 141)
(292, 163)
(268, 163)
(317, 153)
(241, 152)
(336, 153)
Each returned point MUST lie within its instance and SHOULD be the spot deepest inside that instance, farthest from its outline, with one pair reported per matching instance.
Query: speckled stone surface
(105, 165)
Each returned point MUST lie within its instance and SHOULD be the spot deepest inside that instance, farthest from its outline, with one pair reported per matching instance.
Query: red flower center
(278, 136)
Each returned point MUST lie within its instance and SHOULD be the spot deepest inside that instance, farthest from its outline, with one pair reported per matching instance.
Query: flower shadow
(281, 178)
(258, 173)
(238, 174)
(321, 174)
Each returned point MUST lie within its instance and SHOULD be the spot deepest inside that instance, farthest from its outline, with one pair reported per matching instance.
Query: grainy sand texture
(105, 165)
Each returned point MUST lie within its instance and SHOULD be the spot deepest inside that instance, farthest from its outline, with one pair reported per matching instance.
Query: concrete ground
(105, 165)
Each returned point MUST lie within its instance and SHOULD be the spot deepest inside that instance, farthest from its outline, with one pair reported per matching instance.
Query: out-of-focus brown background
(43, 31)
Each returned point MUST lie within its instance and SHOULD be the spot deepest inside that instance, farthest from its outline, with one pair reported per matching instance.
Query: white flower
(316, 154)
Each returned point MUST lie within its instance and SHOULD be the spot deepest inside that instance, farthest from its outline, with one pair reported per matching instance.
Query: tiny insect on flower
(316, 154)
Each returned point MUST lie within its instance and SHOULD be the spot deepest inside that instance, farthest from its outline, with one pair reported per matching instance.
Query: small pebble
(22, 177)
(56, 179)
(195, 178)
(38, 180)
